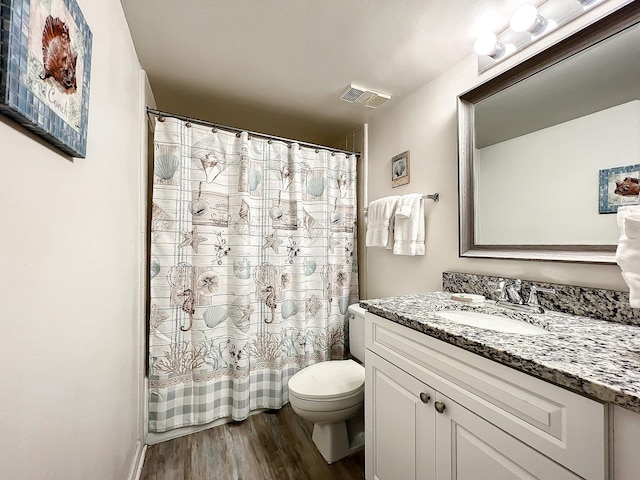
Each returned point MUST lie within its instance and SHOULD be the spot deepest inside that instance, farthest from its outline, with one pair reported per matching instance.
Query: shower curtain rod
(159, 113)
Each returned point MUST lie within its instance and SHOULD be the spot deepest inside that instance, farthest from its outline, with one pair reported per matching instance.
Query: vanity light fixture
(587, 3)
(528, 24)
(487, 44)
(527, 19)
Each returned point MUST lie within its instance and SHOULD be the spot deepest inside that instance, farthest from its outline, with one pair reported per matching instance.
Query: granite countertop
(595, 358)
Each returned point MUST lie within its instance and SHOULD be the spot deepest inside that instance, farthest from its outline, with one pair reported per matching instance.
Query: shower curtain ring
(188, 124)
(238, 135)
(161, 118)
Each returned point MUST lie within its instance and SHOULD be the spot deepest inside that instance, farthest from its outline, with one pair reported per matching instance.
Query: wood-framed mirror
(533, 143)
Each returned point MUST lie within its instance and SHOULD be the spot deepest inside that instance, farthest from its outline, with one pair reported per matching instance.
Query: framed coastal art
(619, 186)
(45, 69)
(400, 169)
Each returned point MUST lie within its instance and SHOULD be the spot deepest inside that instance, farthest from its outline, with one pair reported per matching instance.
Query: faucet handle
(499, 287)
(533, 297)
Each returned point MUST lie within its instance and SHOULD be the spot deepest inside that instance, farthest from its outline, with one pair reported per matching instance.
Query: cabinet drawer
(565, 426)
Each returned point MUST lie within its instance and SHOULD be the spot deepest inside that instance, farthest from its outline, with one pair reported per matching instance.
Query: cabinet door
(470, 448)
(626, 431)
(399, 425)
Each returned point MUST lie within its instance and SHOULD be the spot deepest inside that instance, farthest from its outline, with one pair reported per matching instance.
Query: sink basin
(492, 322)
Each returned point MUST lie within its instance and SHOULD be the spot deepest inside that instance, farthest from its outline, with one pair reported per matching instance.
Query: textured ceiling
(278, 66)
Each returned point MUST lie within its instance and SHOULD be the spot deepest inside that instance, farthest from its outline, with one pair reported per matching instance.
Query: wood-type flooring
(266, 446)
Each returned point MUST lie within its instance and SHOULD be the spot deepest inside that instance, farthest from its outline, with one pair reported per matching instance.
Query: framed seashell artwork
(618, 186)
(44, 76)
(400, 169)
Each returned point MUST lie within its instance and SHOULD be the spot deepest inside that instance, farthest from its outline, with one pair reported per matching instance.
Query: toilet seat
(327, 389)
(328, 381)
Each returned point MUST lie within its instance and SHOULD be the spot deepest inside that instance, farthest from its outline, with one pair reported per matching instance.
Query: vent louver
(352, 93)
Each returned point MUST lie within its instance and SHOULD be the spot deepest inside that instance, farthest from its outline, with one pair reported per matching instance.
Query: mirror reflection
(540, 146)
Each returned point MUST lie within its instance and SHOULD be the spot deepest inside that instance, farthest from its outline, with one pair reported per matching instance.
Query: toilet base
(335, 441)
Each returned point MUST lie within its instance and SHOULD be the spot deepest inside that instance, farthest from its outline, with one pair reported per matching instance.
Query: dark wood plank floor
(266, 446)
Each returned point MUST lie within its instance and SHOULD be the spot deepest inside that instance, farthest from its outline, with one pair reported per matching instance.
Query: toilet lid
(326, 380)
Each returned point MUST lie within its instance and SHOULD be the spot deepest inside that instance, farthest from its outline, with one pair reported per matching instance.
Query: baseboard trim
(138, 461)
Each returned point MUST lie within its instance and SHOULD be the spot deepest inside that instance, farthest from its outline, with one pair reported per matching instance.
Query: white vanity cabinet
(435, 411)
(410, 439)
(625, 430)
(399, 428)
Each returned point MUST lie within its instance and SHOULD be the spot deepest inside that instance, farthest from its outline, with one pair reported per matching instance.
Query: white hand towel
(380, 221)
(409, 230)
(405, 202)
(628, 251)
(633, 281)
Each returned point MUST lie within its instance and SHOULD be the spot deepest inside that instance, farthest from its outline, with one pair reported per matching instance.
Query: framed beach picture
(400, 169)
(619, 186)
(45, 68)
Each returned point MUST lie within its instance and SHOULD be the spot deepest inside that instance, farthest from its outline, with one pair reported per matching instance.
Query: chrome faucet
(510, 295)
(514, 290)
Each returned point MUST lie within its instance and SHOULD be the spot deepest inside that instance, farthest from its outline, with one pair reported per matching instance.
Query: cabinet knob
(425, 397)
(440, 407)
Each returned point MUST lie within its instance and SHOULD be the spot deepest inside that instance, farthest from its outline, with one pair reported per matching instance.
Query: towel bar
(435, 197)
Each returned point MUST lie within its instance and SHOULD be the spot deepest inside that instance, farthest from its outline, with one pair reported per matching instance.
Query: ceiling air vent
(368, 98)
(352, 93)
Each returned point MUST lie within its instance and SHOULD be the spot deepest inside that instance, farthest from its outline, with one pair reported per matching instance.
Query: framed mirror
(545, 148)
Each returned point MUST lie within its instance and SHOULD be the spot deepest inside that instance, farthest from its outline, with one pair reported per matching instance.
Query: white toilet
(331, 395)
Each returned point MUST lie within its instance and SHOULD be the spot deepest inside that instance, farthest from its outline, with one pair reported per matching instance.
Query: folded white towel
(628, 212)
(633, 281)
(632, 226)
(409, 230)
(628, 251)
(405, 202)
(380, 221)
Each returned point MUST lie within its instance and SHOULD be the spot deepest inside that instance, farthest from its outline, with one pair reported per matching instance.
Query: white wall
(70, 284)
(355, 142)
(426, 124)
(546, 182)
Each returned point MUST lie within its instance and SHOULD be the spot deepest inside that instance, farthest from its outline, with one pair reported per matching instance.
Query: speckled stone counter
(592, 357)
(611, 305)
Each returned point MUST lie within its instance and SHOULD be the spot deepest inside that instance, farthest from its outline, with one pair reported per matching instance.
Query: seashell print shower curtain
(253, 265)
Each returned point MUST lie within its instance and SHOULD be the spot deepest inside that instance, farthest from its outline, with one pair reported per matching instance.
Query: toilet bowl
(331, 395)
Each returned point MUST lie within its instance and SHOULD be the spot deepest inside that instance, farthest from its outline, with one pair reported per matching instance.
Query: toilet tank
(356, 331)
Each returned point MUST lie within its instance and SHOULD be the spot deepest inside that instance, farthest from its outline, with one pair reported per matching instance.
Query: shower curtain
(253, 265)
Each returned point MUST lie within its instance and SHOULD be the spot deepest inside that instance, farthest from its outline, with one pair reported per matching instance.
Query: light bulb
(526, 19)
(487, 44)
